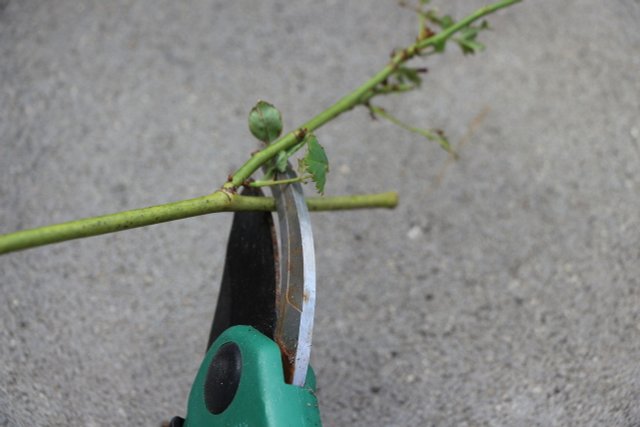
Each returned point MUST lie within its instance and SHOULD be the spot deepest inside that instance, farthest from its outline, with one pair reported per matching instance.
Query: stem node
(300, 133)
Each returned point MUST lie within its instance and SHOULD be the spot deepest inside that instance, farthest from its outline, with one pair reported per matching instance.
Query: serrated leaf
(316, 163)
(265, 122)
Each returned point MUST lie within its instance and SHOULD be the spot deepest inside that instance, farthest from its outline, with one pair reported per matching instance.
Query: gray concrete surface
(501, 292)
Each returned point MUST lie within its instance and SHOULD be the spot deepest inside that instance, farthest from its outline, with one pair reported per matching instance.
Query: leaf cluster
(466, 38)
(265, 123)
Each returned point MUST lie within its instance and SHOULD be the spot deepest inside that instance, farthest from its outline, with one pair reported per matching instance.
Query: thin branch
(268, 182)
(355, 98)
(387, 200)
(220, 201)
(429, 134)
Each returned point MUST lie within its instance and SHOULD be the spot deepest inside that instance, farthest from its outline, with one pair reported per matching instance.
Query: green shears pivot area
(241, 379)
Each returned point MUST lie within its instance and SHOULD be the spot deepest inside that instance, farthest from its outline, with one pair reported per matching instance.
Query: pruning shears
(256, 369)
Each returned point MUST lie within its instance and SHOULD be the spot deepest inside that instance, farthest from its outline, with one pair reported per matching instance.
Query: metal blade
(296, 294)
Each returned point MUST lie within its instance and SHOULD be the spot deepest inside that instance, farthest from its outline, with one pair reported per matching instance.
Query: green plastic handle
(262, 398)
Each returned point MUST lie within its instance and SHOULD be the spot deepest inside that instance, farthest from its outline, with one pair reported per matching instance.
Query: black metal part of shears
(248, 290)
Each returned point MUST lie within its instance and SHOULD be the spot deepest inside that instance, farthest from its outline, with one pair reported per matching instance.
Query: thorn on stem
(425, 33)
(400, 57)
(372, 113)
(300, 133)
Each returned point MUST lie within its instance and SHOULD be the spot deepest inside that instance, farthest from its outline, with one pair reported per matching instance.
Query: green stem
(266, 183)
(220, 201)
(430, 135)
(359, 201)
(443, 35)
(355, 98)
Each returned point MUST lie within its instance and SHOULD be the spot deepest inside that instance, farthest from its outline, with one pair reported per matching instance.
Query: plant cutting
(436, 32)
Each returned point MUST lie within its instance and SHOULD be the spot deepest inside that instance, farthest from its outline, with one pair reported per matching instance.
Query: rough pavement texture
(503, 291)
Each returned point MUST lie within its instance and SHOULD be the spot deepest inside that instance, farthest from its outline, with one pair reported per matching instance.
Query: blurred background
(503, 290)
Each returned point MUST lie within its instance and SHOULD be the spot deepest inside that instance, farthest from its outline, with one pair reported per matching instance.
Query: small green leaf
(470, 46)
(443, 22)
(316, 163)
(446, 21)
(469, 33)
(265, 122)
(410, 74)
(467, 38)
(439, 46)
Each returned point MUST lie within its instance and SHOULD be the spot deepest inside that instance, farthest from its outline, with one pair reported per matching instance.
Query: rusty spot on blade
(288, 361)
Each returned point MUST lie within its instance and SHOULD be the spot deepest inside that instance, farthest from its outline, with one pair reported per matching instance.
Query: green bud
(265, 122)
